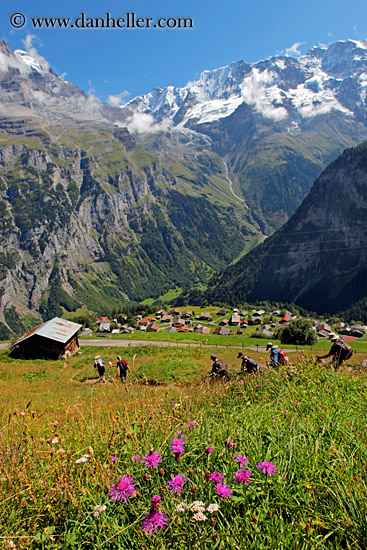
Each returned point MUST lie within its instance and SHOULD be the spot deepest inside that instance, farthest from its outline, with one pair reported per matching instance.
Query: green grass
(309, 422)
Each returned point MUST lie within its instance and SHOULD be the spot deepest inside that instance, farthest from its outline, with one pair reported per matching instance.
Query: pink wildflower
(228, 444)
(242, 476)
(241, 459)
(113, 458)
(135, 458)
(123, 489)
(216, 477)
(178, 447)
(191, 425)
(223, 490)
(267, 468)
(155, 518)
(176, 484)
(152, 459)
(209, 450)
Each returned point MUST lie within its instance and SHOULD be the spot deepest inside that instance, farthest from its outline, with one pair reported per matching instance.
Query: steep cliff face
(88, 216)
(318, 259)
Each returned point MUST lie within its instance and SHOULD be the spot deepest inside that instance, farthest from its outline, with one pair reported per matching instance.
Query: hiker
(122, 368)
(282, 357)
(339, 351)
(100, 366)
(219, 369)
(248, 365)
(273, 355)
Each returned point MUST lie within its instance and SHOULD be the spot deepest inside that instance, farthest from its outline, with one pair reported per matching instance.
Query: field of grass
(69, 445)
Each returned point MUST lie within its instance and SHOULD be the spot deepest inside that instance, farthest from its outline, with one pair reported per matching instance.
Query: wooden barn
(49, 340)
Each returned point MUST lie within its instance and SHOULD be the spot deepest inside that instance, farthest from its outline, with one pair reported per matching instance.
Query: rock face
(318, 259)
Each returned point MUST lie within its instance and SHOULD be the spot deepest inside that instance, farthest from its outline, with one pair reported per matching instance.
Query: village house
(235, 320)
(48, 341)
(224, 322)
(153, 327)
(205, 316)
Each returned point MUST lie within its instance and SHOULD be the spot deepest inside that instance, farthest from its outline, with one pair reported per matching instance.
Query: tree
(298, 332)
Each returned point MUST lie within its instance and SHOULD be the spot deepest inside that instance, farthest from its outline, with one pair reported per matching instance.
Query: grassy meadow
(269, 461)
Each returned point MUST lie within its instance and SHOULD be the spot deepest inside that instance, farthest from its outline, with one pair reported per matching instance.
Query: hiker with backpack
(274, 349)
(219, 369)
(339, 351)
(122, 368)
(248, 365)
(100, 366)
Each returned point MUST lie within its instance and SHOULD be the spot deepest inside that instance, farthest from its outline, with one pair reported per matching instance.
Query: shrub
(298, 332)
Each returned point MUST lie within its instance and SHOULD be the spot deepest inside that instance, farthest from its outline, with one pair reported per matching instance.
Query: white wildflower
(181, 507)
(197, 506)
(199, 517)
(212, 508)
(55, 440)
(84, 458)
(98, 509)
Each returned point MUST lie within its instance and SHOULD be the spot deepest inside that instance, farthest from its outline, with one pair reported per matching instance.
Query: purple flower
(178, 447)
(113, 458)
(176, 484)
(285, 411)
(223, 490)
(241, 459)
(155, 518)
(228, 444)
(267, 468)
(152, 459)
(135, 458)
(209, 450)
(123, 489)
(191, 425)
(242, 476)
(216, 477)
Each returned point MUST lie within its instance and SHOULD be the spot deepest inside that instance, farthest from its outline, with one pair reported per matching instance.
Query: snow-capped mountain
(281, 88)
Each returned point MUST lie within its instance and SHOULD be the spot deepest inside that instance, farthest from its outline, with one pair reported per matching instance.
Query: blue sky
(127, 62)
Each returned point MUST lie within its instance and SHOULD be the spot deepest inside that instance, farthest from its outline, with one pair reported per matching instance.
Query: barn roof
(56, 329)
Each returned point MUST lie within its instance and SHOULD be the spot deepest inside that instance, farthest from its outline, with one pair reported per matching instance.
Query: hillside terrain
(318, 258)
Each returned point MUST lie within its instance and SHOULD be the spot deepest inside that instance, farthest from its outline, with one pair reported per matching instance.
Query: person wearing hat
(248, 365)
(339, 351)
(273, 355)
(219, 369)
(100, 366)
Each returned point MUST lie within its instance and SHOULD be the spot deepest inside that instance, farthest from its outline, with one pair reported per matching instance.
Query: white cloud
(142, 123)
(258, 90)
(293, 50)
(28, 42)
(118, 99)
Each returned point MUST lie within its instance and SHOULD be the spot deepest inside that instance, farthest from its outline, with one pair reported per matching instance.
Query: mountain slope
(318, 259)
(276, 123)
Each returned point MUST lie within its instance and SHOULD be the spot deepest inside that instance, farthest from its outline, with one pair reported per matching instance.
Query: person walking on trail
(219, 369)
(248, 365)
(274, 349)
(339, 351)
(100, 366)
(122, 368)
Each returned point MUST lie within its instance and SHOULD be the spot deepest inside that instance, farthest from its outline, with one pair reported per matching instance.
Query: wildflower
(223, 490)
(155, 518)
(228, 444)
(178, 447)
(199, 516)
(135, 458)
(212, 508)
(152, 459)
(98, 509)
(191, 425)
(197, 506)
(216, 477)
(55, 440)
(176, 484)
(209, 450)
(113, 458)
(267, 468)
(84, 458)
(241, 459)
(285, 411)
(181, 507)
(123, 489)
(242, 476)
